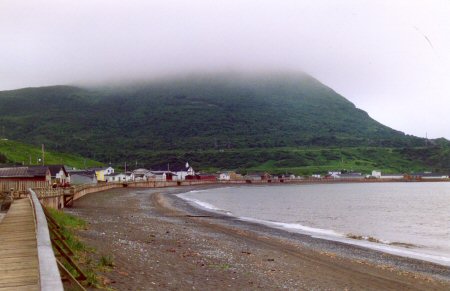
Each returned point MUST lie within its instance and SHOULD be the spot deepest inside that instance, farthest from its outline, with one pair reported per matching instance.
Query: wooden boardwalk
(19, 266)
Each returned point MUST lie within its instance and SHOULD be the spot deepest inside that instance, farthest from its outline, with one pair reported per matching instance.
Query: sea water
(408, 219)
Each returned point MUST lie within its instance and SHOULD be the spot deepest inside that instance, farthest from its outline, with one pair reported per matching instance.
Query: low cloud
(376, 53)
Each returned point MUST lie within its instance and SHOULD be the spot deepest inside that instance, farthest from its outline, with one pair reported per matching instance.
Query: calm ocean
(408, 219)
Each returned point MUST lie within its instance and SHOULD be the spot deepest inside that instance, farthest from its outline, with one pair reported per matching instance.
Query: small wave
(202, 204)
(367, 238)
(404, 245)
(196, 191)
(294, 226)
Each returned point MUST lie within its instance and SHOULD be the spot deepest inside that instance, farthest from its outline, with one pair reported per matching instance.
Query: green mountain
(17, 153)
(198, 116)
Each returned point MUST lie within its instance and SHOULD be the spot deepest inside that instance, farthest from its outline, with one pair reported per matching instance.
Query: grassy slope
(308, 160)
(18, 153)
(353, 159)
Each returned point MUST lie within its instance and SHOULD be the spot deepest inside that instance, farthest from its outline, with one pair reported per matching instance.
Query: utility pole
(43, 155)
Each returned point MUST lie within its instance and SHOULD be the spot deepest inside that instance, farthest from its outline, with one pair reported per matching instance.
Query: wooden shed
(22, 178)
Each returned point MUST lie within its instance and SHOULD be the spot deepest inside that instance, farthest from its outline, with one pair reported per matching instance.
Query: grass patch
(106, 261)
(21, 153)
(83, 254)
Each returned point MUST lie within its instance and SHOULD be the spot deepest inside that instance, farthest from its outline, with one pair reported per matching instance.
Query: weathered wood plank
(19, 266)
(32, 287)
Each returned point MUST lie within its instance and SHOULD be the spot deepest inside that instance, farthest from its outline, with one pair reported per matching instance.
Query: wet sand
(159, 242)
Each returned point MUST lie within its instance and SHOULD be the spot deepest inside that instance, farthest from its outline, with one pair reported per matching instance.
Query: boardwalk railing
(49, 192)
(49, 276)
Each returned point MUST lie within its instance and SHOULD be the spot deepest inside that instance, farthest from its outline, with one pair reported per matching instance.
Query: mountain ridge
(192, 113)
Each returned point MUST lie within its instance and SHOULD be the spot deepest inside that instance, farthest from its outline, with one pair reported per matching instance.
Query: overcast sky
(391, 58)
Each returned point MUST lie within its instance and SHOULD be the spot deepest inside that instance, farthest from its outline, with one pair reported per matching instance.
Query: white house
(376, 174)
(139, 174)
(182, 171)
(334, 174)
(225, 176)
(161, 175)
(120, 177)
(59, 174)
(149, 176)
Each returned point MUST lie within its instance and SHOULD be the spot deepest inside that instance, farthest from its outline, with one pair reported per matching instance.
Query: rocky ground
(159, 243)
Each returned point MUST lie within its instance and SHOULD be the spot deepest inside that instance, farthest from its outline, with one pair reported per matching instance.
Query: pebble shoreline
(161, 242)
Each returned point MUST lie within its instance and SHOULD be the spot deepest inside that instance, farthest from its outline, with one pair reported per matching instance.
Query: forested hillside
(194, 114)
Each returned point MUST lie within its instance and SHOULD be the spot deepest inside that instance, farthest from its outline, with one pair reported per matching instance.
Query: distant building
(352, 176)
(101, 172)
(59, 174)
(392, 176)
(334, 174)
(182, 171)
(229, 175)
(139, 174)
(225, 176)
(429, 176)
(22, 178)
(290, 176)
(376, 174)
(253, 177)
(179, 171)
(149, 176)
(258, 176)
(118, 177)
(81, 177)
(202, 177)
(163, 175)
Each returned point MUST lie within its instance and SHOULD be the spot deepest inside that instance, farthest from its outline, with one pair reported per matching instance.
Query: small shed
(22, 178)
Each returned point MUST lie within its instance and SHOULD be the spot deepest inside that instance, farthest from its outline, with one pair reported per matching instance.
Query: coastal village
(21, 178)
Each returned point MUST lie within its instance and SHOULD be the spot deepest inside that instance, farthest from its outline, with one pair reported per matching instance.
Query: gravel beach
(160, 242)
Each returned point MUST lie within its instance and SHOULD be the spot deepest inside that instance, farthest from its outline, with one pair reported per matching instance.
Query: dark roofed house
(59, 174)
(22, 178)
(181, 171)
(257, 176)
(79, 177)
(202, 177)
